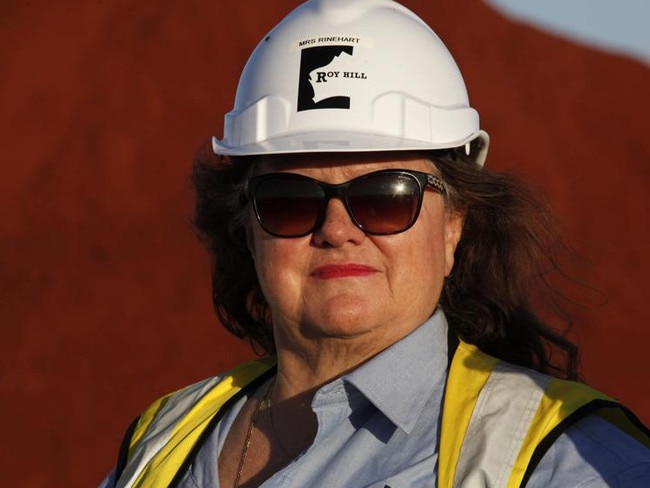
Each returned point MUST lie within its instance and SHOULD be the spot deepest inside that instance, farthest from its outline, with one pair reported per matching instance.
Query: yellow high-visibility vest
(497, 421)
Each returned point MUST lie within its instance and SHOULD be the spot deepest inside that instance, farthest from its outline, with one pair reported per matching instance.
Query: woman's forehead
(287, 162)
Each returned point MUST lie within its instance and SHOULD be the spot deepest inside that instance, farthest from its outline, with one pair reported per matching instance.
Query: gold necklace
(273, 429)
(247, 441)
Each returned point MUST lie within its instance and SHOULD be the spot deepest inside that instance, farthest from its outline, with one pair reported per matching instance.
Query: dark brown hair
(502, 263)
(506, 269)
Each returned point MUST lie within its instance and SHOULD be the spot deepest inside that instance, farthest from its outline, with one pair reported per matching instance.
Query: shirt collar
(413, 368)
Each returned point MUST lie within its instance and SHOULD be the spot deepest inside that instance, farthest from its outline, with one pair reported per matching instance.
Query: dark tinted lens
(384, 203)
(287, 207)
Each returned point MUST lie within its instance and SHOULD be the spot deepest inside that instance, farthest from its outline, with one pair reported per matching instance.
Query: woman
(359, 243)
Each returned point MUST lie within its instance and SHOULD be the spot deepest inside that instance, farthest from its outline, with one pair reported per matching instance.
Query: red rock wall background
(105, 291)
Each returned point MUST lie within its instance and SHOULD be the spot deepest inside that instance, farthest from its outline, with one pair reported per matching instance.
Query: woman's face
(340, 283)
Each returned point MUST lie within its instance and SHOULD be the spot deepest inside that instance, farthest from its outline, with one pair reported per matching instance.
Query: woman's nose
(338, 227)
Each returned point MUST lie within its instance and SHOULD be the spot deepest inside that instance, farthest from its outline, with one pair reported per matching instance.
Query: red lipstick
(333, 271)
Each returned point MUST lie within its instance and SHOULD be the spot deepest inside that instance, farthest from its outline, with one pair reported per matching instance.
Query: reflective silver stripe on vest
(162, 427)
(499, 423)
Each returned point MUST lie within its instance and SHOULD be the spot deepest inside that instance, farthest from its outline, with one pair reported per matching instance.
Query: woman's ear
(454, 221)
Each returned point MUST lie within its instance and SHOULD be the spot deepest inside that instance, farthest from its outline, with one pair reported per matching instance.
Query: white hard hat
(350, 75)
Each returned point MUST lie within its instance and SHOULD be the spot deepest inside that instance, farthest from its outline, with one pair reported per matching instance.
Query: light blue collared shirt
(378, 427)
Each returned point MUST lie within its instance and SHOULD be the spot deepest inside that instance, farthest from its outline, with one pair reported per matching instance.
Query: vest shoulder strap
(496, 415)
(167, 432)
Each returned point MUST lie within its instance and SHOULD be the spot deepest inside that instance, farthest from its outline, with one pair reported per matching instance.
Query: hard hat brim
(342, 141)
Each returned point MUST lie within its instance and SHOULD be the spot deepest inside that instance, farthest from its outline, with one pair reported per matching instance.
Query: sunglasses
(379, 203)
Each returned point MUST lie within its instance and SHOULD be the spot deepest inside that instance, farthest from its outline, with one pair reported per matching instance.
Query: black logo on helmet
(320, 79)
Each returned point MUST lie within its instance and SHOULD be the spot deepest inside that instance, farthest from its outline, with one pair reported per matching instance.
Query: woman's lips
(332, 271)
